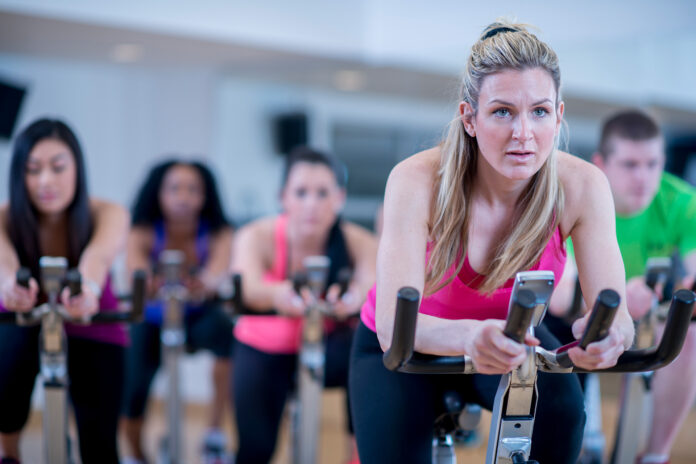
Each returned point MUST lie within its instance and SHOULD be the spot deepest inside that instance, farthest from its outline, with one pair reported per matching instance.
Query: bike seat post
(173, 339)
(54, 351)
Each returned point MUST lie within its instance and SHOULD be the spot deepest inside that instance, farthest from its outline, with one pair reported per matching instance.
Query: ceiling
(390, 54)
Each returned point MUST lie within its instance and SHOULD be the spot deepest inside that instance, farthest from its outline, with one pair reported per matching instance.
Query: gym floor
(334, 447)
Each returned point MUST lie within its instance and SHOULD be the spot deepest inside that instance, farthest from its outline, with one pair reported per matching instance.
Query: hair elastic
(498, 30)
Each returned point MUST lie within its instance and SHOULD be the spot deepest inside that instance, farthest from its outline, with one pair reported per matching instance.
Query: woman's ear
(466, 114)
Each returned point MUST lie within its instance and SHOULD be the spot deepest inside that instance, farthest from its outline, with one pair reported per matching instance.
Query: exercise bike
(636, 406)
(305, 401)
(512, 423)
(53, 344)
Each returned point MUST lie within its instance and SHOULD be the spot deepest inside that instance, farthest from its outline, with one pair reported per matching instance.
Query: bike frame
(511, 441)
(173, 339)
(53, 348)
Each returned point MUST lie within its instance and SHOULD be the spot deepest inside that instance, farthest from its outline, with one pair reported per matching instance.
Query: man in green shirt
(655, 216)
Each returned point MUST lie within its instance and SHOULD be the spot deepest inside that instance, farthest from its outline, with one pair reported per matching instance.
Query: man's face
(634, 169)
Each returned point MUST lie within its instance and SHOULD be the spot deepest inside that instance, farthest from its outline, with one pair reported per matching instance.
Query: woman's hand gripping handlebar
(299, 283)
(401, 357)
(73, 288)
(331, 300)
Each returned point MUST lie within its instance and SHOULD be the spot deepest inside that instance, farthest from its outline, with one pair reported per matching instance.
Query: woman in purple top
(51, 214)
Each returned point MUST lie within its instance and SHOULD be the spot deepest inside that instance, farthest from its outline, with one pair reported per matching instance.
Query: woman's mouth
(520, 155)
(47, 197)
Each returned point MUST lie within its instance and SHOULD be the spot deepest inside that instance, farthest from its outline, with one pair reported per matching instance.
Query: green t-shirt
(668, 224)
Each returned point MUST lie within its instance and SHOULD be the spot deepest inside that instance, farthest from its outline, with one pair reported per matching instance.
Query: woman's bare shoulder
(259, 231)
(106, 208)
(415, 176)
(583, 185)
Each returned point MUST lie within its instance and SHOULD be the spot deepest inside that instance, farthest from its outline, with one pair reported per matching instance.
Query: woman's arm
(108, 239)
(250, 252)
(9, 264)
(362, 247)
(401, 262)
(13, 296)
(141, 240)
(590, 218)
(219, 259)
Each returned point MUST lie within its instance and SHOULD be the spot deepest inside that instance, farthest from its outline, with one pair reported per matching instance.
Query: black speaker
(289, 131)
(11, 97)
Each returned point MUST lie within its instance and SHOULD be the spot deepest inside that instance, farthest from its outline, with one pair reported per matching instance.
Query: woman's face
(516, 122)
(51, 176)
(182, 194)
(312, 198)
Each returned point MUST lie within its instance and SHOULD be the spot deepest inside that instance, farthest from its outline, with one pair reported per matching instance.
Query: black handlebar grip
(652, 279)
(73, 280)
(672, 341)
(403, 337)
(677, 324)
(601, 318)
(299, 280)
(575, 310)
(139, 290)
(237, 299)
(344, 277)
(23, 276)
(520, 315)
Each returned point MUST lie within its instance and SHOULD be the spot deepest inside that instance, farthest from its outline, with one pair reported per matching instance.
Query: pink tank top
(273, 334)
(460, 300)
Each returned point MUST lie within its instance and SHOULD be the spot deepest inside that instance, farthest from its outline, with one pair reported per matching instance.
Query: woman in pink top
(494, 198)
(268, 252)
(50, 213)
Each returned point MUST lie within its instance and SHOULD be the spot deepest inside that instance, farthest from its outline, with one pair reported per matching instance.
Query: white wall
(243, 146)
(125, 117)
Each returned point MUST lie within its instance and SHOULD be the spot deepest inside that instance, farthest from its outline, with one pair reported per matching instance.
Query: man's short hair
(630, 125)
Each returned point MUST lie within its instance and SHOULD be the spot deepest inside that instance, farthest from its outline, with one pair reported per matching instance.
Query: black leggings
(262, 382)
(394, 412)
(95, 370)
(209, 329)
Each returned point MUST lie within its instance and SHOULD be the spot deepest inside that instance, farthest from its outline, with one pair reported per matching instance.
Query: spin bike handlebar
(401, 357)
(73, 281)
(299, 280)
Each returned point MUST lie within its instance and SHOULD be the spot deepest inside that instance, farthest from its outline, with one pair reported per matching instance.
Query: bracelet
(95, 287)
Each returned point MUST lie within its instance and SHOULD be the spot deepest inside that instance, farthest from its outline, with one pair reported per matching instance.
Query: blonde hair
(502, 46)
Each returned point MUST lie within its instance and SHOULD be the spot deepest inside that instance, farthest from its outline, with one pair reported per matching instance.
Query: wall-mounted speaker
(289, 131)
(11, 97)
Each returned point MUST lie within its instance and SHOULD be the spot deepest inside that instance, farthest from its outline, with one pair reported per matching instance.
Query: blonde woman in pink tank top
(494, 198)
(267, 253)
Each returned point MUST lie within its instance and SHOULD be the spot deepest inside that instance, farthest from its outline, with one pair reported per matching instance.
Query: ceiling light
(126, 53)
(350, 80)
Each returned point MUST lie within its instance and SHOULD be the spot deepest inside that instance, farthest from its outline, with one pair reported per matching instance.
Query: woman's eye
(59, 168)
(502, 112)
(33, 170)
(323, 193)
(301, 192)
(539, 112)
